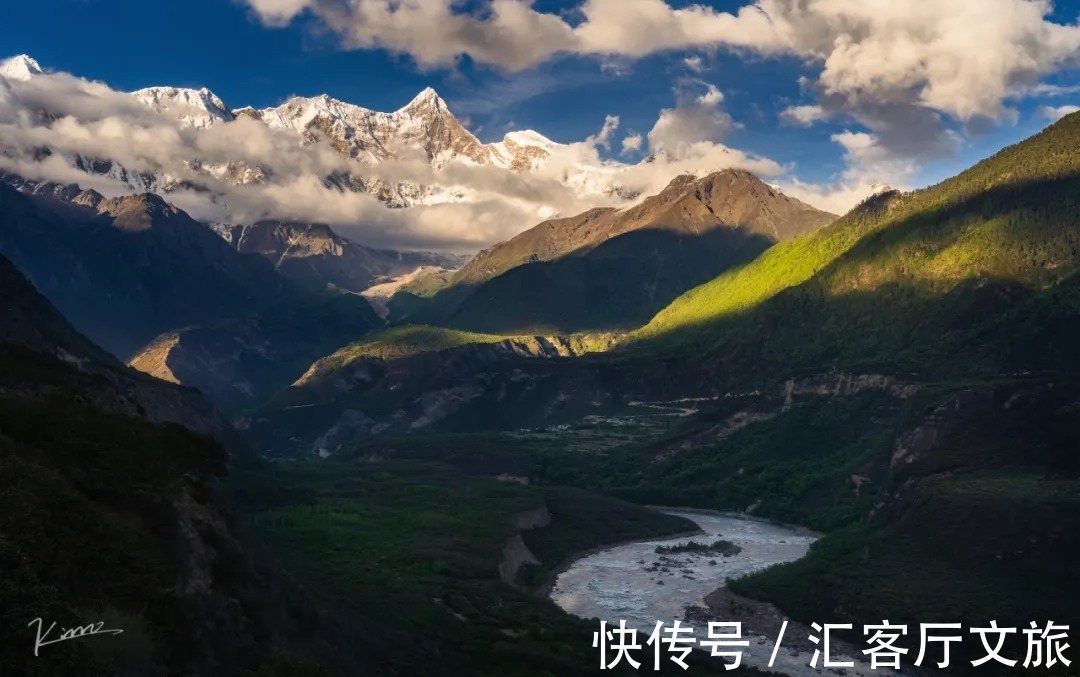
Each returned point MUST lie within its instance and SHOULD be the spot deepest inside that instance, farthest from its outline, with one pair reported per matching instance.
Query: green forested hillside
(907, 381)
(905, 280)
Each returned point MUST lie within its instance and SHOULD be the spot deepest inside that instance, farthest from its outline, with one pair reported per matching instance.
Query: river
(617, 584)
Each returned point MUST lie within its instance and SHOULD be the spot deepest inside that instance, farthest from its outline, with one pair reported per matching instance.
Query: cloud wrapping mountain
(241, 165)
(899, 70)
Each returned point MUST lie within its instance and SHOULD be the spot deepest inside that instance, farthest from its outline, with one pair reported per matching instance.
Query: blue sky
(250, 59)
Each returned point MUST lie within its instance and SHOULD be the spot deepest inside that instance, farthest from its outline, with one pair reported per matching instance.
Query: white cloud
(908, 73)
(1055, 113)
(1046, 89)
(962, 57)
(89, 120)
(870, 165)
(803, 116)
(696, 119)
(279, 12)
(603, 138)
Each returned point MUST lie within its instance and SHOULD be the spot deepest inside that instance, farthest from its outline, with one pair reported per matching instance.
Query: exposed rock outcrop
(515, 553)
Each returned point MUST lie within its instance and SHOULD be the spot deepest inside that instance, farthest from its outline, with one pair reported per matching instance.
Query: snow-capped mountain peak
(427, 98)
(424, 129)
(299, 112)
(529, 137)
(522, 150)
(199, 108)
(21, 67)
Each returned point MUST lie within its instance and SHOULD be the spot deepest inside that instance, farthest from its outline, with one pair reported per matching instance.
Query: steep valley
(902, 379)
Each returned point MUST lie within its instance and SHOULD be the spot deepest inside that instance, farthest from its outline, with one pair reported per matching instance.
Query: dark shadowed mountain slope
(318, 257)
(29, 322)
(124, 270)
(149, 283)
(614, 268)
(238, 362)
(108, 514)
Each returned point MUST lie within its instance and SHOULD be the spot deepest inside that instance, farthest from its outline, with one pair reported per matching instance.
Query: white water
(614, 585)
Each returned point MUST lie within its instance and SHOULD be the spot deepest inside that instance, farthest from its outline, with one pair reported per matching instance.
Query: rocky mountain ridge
(424, 125)
(730, 198)
(612, 269)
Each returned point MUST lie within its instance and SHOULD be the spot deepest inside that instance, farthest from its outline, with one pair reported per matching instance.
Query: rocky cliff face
(516, 553)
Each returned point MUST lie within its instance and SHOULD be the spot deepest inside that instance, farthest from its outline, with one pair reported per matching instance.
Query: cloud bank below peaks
(237, 169)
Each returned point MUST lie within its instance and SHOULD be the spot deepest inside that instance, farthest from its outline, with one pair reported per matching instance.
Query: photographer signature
(67, 633)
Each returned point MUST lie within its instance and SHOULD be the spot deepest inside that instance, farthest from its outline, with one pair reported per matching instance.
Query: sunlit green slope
(901, 272)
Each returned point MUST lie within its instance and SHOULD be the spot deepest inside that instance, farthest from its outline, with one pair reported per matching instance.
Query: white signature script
(67, 633)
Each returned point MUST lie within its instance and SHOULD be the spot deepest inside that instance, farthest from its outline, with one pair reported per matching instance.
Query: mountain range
(613, 268)
(424, 126)
(902, 378)
(153, 286)
(126, 269)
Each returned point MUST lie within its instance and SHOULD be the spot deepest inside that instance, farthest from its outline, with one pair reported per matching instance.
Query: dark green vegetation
(108, 514)
(977, 522)
(721, 547)
(904, 379)
(796, 465)
(429, 548)
(84, 495)
(107, 517)
(609, 269)
(973, 275)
